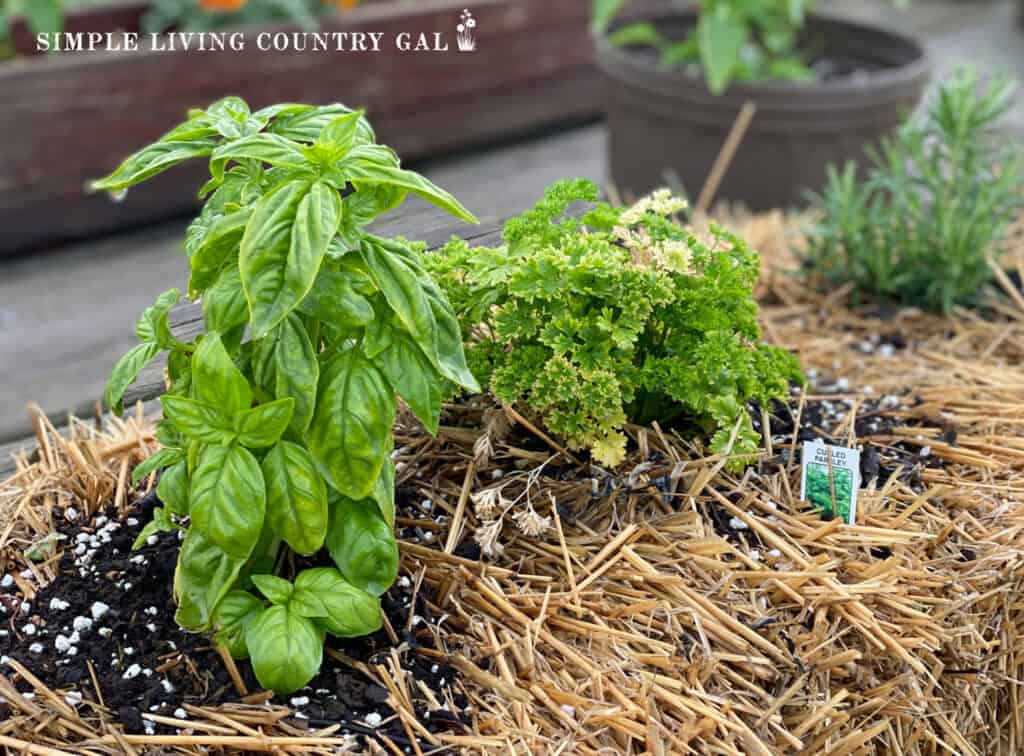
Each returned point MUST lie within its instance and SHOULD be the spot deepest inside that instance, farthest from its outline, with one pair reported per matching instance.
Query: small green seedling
(277, 421)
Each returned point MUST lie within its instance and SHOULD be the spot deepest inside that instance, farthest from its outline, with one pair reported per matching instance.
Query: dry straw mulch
(675, 607)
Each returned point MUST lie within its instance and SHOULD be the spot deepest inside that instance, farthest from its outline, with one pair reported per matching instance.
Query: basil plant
(277, 421)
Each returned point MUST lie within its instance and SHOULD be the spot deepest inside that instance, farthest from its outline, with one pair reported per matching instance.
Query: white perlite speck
(737, 524)
(58, 605)
(81, 624)
(373, 719)
(36, 648)
(6, 581)
(300, 701)
(62, 644)
(132, 672)
(99, 609)
(29, 629)
(180, 713)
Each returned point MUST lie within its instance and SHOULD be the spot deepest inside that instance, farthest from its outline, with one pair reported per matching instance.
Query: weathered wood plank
(186, 319)
(75, 115)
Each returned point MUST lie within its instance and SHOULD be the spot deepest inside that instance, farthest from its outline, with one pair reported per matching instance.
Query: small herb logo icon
(466, 30)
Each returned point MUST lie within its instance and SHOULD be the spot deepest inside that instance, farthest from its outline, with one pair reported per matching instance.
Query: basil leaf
(350, 432)
(151, 160)
(158, 461)
(227, 499)
(153, 325)
(412, 375)
(167, 435)
(308, 125)
(230, 107)
(333, 299)
(278, 590)
(215, 379)
(263, 260)
(297, 371)
(232, 617)
(281, 110)
(451, 358)
(263, 558)
(286, 649)
(266, 148)
(383, 493)
(361, 208)
(198, 420)
(204, 575)
(296, 497)
(323, 595)
(172, 489)
(367, 172)
(283, 247)
(219, 244)
(421, 307)
(160, 523)
(264, 363)
(378, 335)
(224, 304)
(362, 544)
(342, 131)
(263, 425)
(179, 371)
(125, 371)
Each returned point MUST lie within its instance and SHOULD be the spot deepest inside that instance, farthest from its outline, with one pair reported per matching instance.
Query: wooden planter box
(74, 116)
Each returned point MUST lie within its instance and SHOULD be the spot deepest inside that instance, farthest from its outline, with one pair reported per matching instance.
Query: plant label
(830, 479)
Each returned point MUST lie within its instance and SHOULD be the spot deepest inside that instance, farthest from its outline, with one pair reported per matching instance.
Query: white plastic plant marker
(830, 477)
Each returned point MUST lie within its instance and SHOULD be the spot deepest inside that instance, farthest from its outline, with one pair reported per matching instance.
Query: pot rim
(635, 71)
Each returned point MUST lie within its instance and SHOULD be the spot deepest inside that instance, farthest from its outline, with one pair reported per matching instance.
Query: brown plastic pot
(665, 125)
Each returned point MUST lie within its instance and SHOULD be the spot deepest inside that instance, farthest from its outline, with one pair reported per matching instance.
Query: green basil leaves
(278, 420)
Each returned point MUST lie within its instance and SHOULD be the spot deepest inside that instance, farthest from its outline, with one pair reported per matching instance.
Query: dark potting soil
(113, 607)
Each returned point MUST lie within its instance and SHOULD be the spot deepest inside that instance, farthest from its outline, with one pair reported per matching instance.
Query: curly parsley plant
(616, 316)
(277, 422)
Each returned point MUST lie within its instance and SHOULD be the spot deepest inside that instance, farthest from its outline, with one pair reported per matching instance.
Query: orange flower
(344, 5)
(224, 6)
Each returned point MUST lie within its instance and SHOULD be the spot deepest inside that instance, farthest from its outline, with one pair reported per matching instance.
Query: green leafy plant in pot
(277, 421)
(821, 90)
